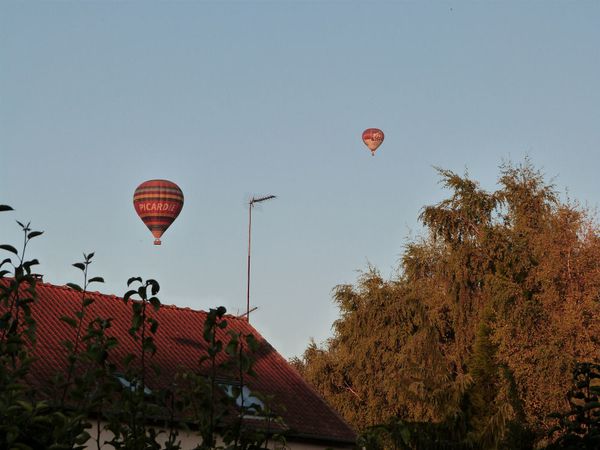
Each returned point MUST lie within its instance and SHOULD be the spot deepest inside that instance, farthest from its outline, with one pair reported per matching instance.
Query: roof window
(252, 404)
(131, 385)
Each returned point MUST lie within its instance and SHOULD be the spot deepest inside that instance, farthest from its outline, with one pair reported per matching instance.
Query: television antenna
(251, 204)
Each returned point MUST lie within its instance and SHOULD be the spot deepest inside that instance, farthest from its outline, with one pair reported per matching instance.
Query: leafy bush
(89, 389)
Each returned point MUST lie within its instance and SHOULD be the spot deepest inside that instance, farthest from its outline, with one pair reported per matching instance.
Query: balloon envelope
(158, 203)
(373, 137)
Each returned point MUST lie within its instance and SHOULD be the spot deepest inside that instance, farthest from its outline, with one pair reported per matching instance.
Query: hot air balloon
(372, 137)
(158, 203)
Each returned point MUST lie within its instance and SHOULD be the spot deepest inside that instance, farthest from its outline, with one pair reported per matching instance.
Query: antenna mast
(251, 204)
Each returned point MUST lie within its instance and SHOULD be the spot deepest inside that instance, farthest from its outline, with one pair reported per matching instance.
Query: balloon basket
(157, 242)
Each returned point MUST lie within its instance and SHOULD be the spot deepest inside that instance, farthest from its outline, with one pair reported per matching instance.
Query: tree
(372, 369)
(481, 328)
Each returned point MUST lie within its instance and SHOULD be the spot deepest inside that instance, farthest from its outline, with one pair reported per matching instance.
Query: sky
(235, 99)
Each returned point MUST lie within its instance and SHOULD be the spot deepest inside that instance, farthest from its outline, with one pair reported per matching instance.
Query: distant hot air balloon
(158, 203)
(372, 137)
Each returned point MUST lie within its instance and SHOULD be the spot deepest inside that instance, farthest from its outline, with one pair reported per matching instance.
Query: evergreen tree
(480, 330)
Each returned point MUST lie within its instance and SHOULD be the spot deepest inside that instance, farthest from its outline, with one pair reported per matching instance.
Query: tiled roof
(180, 345)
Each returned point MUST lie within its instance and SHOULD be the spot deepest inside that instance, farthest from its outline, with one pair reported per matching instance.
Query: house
(307, 421)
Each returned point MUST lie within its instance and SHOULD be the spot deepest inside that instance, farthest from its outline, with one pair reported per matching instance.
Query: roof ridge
(64, 287)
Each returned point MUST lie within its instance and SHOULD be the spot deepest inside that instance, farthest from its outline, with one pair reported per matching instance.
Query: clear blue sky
(234, 99)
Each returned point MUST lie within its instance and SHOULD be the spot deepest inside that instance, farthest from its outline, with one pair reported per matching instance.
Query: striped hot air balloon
(158, 203)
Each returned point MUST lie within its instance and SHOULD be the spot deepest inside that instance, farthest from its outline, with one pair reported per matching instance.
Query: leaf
(33, 262)
(132, 279)
(27, 265)
(127, 295)
(231, 348)
(82, 438)
(75, 287)
(111, 343)
(155, 302)
(5, 208)
(405, 433)
(136, 322)
(252, 342)
(245, 363)
(87, 302)
(153, 326)
(80, 266)
(96, 280)
(69, 320)
(9, 248)
(155, 286)
(6, 260)
(137, 308)
(148, 345)
(127, 360)
(34, 234)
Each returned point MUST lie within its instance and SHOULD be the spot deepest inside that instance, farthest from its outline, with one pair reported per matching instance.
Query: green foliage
(214, 394)
(91, 388)
(25, 421)
(129, 422)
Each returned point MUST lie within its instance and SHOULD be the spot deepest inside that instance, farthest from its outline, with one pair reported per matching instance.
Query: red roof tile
(180, 345)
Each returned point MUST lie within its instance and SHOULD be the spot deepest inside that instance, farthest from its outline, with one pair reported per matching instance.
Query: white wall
(191, 440)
